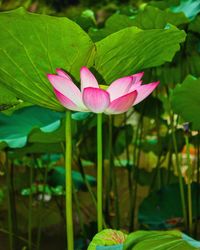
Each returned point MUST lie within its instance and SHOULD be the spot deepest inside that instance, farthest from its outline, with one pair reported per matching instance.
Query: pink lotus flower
(118, 98)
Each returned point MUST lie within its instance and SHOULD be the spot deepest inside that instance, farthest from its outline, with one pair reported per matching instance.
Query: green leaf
(185, 101)
(86, 19)
(131, 50)
(152, 240)
(107, 237)
(32, 45)
(15, 129)
(158, 210)
(154, 18)
(80, 116)
(7, 98)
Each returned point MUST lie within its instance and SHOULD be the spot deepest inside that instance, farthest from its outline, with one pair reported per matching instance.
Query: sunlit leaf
(154, 18)
(131, 50)
(33, 45)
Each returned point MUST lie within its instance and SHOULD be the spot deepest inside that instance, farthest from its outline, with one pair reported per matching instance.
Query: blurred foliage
(159, 211)
(185, 101)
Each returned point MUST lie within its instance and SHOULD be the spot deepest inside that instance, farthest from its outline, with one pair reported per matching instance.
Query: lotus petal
(87, 79)
(120, 87)
(122, 104)
(144, 91)
(95, 99)
(67, 88)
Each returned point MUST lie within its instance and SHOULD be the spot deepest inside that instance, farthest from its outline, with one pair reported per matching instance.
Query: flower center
(104, 87)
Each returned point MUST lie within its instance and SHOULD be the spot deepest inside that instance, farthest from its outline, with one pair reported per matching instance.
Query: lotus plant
(117, 98)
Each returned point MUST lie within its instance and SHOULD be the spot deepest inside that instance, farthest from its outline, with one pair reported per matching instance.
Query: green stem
(181, 185)
(117, 209)
(189, 192)
(10, 225)
(68, 182)
(133, 175)
(198, 178)
(109, 175)
(99, 174)
(179, 171)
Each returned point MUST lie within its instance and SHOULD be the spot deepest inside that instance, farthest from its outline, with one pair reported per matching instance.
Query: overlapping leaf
(32, 45)
(132, 49)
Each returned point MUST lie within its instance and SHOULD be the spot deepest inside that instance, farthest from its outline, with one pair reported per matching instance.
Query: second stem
(68, 182)
(99, 174)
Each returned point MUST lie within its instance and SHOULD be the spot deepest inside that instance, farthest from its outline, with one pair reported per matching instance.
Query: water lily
(118, 98)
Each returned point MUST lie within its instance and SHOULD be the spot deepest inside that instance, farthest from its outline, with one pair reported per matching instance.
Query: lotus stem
(99, 174)
(68, 182)
(189, 192)
(182, 193)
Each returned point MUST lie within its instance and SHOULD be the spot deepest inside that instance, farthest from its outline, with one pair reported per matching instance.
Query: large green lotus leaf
(16, 128)
(7, 98)
(107, 237)
(154, 18)
(132, 49)
(186, 102)
(155, 240)
(32, 45)
(56, 136)
(189, 7)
